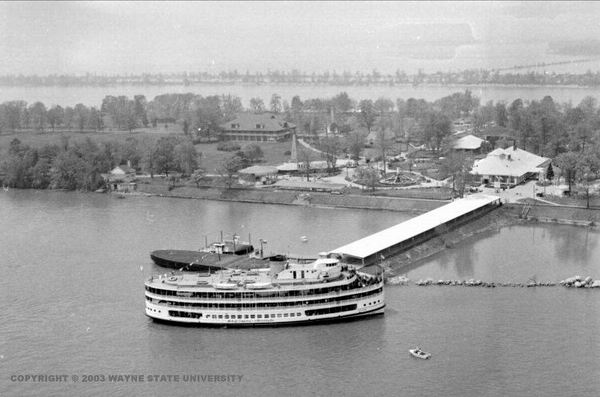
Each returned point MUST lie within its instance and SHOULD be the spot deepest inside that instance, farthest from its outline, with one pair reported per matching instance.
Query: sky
(150, 37)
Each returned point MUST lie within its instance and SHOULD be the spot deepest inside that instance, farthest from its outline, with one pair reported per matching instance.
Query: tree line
(341, 78)
(120, 113)
(80, 164)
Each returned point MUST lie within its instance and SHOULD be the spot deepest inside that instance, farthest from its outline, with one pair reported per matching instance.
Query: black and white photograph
(301, 198)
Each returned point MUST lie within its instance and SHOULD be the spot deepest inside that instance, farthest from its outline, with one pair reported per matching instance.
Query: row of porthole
(372, 303)
(154, 310)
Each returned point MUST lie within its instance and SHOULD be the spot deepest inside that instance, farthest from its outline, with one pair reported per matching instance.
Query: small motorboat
(304, 239)
(418, 353)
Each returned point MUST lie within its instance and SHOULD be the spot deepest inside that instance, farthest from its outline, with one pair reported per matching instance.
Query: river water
(73, 267)
(92, 96)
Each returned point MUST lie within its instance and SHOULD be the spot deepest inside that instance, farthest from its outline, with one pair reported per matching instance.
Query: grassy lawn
(273, 153)
(39, 139)
(578, 200)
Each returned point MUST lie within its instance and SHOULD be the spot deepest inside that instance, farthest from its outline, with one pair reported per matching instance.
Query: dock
(405, 235)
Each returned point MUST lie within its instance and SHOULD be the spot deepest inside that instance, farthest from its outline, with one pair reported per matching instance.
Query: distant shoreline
(284, 84)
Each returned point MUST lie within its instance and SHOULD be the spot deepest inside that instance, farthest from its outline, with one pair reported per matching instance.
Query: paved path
(526, 190)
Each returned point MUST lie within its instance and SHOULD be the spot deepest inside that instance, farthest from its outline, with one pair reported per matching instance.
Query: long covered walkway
(416, 230)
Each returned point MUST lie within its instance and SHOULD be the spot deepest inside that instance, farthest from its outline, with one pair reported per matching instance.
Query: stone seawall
(289, 197)
(566, 215)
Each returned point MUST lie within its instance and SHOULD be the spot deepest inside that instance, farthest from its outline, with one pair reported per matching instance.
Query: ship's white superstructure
(285, 293)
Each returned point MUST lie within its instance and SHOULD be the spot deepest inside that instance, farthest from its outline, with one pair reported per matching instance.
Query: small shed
(468, 143)
(121, 179)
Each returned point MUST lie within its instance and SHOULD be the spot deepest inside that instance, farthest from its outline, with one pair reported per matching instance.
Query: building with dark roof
(265, 127)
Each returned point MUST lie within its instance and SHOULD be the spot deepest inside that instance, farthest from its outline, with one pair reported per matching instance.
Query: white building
(510, 166)
(468, 143)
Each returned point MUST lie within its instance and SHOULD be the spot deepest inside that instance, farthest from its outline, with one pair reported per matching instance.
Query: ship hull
(178, 259)
(372, 303)
(329, 320)
(198, 261)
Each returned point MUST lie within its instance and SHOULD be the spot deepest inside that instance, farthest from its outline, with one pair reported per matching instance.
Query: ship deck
(239, 281)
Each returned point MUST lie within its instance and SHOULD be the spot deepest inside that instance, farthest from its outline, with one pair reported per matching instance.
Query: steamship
(286, 293)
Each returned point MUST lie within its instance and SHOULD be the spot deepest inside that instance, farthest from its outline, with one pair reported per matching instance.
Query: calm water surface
(92, 96)
(73, 302)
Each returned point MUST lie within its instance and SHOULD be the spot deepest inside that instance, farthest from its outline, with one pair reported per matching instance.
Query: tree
(230, 166)
(296, 110)
(581, 137)
(275, 104)
(17, 165)
(81, 116)
(315, 125)
(417, 108)
(68, 171)
(95, 122)
(40, 173)
(38, 115)
(131, 151)
(568, 163)
(342, 102)
(198, 176)
(330, 146)
(139, 110)
(515, 115)
(163, 153)
(69, 117)
(383, 105)
(501, 116)
(457, 165)
(207, 114)
(367, 176)
(305, 157)
(13, 114)
(148, 160)
(232, 105)
(253, 152)
(185, 157)
(367, 113)
(257, 105)
(436, 127)
(384, 139)
(588, 167)
(550, 172)
(355, 143)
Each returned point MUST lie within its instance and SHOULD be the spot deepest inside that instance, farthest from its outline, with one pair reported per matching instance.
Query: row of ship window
(328, 310)
(255, 294)
(177, 313)
(269, 304)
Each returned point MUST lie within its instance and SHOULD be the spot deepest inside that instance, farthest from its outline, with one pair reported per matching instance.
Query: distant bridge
(543, 64)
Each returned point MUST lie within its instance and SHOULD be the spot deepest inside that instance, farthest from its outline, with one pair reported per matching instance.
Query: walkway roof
(389, 237)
